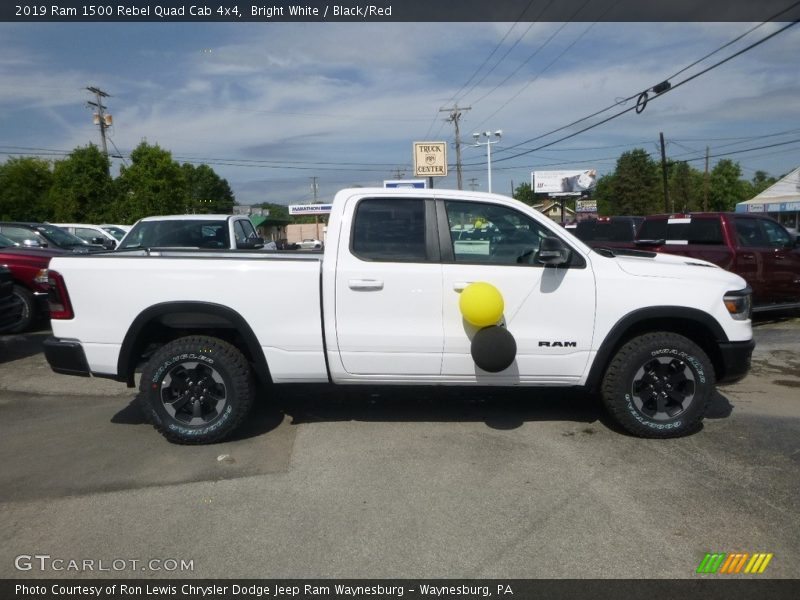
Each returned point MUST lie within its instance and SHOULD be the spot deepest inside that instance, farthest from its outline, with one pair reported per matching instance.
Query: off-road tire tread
(613, 382)
(242, 385)
(27, 298)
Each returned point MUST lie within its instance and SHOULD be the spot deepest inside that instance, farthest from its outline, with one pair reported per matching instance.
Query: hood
(670, 266)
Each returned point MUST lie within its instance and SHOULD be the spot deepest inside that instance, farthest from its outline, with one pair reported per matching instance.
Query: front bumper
(735, 360)
(66, 357)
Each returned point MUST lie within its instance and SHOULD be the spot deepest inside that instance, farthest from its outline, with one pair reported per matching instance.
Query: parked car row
(756, 247)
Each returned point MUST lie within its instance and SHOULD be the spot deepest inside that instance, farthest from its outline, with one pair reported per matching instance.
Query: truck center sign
(430, 159)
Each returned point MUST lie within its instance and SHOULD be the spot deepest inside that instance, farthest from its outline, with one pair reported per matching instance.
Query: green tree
(153, 184)
(635, 186)
(603, 194)
(726, 188)
(207, 192)
(685, 188)
(276, 211)
(24, 186)
(82, 189)
(523, 193)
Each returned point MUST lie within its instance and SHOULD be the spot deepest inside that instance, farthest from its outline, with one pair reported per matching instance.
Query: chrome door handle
(365, 284)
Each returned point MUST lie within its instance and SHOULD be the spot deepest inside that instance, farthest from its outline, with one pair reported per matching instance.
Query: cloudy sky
(271, 105)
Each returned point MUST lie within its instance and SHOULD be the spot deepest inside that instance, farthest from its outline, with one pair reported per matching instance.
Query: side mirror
(108, 244)
(552, 251)
(251, 244)
(33, 244)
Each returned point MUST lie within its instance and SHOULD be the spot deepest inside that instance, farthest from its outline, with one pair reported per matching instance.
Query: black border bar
(249, 11)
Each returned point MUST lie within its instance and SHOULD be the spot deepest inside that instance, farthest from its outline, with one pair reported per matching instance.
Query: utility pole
(316, 217)
(398, 173)
(455, 117)
(473, 183)
(705, 185)
(102, 119)
(664, 173)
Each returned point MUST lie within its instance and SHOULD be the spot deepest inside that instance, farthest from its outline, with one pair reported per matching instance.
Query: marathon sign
(310, 209)
(430, 159)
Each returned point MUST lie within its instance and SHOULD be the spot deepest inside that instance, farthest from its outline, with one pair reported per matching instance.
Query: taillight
(57, 297)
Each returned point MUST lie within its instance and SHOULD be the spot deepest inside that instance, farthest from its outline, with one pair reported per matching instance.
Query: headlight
(739, 303)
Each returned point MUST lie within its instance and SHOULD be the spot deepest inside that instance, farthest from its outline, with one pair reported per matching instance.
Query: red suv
(754, 246)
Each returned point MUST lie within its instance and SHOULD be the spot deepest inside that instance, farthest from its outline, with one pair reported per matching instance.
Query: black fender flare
(204, 314)
(664, 314)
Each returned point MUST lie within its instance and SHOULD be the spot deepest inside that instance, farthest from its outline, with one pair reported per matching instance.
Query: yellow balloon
(481, 304)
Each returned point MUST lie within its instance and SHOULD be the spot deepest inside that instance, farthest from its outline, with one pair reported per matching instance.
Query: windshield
(59, 237)
(176, 233)
(115, 231)
(6, 242)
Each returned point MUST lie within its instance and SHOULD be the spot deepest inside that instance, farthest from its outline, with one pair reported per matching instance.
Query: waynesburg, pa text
(254, 590)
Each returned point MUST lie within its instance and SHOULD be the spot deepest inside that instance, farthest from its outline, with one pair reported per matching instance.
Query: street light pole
(488, 143)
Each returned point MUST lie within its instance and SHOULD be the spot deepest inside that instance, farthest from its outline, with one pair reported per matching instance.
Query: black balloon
(493, 349)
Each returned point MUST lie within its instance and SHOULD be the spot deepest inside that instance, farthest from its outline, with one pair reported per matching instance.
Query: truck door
(548, 310)
(389, 290)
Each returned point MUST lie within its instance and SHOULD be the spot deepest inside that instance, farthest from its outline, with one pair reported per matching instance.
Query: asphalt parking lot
(390, 482)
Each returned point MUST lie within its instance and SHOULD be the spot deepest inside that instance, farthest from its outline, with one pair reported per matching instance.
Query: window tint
(493, 234)
(653, 230)
(177, 233)
(692, 231)
(778, 237)
(239, 232)
(749, 233)
(390, 229)
(704, 231)
(621, 230)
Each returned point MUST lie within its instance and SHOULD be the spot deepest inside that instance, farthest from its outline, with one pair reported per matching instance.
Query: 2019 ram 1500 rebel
(400, 296)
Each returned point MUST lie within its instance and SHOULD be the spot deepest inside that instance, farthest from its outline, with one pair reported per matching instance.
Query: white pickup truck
(652, 333)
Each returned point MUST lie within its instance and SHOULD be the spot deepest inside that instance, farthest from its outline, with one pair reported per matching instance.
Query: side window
(390, 230)
(492, 234)
(87, 234)
(239, 233)
(705, 231)
(750, 234)
(777, 236)
(248, 229)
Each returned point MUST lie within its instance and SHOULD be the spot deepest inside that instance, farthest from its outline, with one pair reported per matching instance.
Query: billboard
(559, 182)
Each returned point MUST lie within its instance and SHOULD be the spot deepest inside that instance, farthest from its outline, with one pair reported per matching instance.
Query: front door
(548, 310)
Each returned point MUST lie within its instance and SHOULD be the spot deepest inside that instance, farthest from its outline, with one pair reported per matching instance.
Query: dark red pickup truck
(754, 246)
(28, 268)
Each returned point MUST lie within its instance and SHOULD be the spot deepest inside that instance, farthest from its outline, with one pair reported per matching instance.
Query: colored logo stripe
(734, 563)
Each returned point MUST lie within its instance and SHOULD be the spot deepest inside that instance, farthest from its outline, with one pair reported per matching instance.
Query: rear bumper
(66, 357)
(735, 360)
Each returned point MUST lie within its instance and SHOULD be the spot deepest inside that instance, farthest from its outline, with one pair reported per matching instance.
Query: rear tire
(196, 390)
(659, 385)
(28, 313)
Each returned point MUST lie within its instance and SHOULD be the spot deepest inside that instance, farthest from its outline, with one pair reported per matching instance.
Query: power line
(622, 101)
(636, 107)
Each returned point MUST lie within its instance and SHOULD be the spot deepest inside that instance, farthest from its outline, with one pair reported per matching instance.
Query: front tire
(659, 385)
(196, 390)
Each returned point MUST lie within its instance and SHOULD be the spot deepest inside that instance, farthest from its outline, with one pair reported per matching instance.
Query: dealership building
(780, 201)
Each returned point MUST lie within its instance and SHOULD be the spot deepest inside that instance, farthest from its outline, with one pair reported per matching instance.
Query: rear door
(782, 267)
(389, 289)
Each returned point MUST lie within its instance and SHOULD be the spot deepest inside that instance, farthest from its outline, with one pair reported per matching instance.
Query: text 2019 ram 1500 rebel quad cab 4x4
(401, 296)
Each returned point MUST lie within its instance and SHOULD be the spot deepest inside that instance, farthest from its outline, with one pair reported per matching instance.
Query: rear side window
(605, 231)
(391, 229)
(687, 231)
